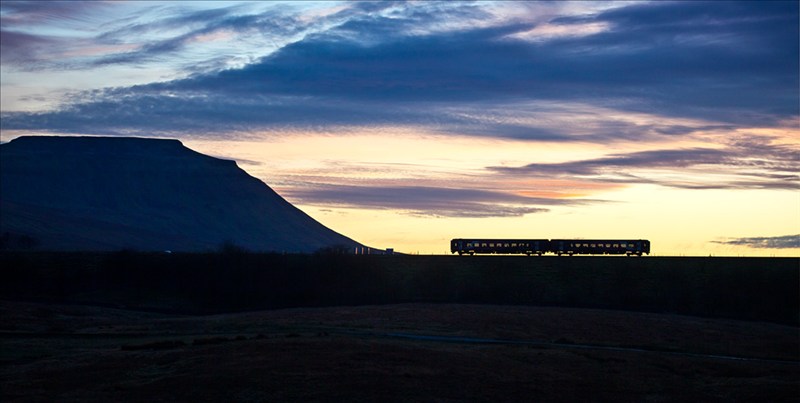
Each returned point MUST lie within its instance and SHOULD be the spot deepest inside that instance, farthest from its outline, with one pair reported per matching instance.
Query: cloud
(27, 46)
(22, 48)
(427, 201)
(747, 162)
(190, 28)
(23, 13)
(775, 242)
(680, 158)
(412, 62)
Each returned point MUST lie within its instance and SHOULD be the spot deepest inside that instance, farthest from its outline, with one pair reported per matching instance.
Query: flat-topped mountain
(109, 193)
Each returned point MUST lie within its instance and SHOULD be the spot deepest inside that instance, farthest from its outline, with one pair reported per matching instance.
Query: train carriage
(499, 246)
(600, 247)
(559, 247)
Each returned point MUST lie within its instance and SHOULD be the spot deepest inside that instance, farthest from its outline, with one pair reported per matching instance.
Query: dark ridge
(109, 193)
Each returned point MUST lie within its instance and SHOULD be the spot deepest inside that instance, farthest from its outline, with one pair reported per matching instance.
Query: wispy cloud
(36, 34)
(428, 201)
(774, 242)
(748, 162)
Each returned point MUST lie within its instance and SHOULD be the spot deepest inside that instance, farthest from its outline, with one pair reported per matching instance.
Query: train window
(608, 245)
(483, 244)
(616, 245)
(506, 245)
(513, 244)
(593, 245)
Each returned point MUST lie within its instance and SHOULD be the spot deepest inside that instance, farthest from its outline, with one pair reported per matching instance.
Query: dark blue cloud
(723, 69)
(680, 158)
(731, 62)
(774, 242)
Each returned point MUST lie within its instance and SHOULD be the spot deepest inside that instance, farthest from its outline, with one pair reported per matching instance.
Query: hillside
(103, 193)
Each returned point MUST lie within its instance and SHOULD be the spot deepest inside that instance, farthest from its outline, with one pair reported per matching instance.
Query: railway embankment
(752, 289)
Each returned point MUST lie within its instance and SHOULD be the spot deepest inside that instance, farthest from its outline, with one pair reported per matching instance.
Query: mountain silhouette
(111, 193)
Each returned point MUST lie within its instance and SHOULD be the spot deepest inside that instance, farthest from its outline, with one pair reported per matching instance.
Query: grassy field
(236, 326)
(756, 289)
(391, 353)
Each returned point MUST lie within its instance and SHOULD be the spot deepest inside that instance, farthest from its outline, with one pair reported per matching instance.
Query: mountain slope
(104, 193)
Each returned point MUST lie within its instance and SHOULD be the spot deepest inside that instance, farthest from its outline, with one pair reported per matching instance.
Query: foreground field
(406, 352)
(236, 326)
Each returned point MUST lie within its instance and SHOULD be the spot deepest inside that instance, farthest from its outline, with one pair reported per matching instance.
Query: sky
(403, 124)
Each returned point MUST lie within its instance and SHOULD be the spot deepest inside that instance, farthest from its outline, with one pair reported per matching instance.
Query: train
(539, 247)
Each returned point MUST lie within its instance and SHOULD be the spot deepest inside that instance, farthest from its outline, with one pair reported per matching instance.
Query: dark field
(759, 289)
(155, 327)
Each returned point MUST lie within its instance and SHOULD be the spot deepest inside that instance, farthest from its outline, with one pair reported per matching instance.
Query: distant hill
(107, 193)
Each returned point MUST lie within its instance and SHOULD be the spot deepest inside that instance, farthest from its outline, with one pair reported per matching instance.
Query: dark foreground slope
(95, 193)
(754, 289)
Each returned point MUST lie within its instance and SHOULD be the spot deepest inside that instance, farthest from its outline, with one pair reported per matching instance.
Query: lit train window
(513, 245)
(594, 246)
(616, 245)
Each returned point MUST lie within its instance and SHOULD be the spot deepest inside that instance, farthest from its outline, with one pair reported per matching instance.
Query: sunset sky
(406, 124)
